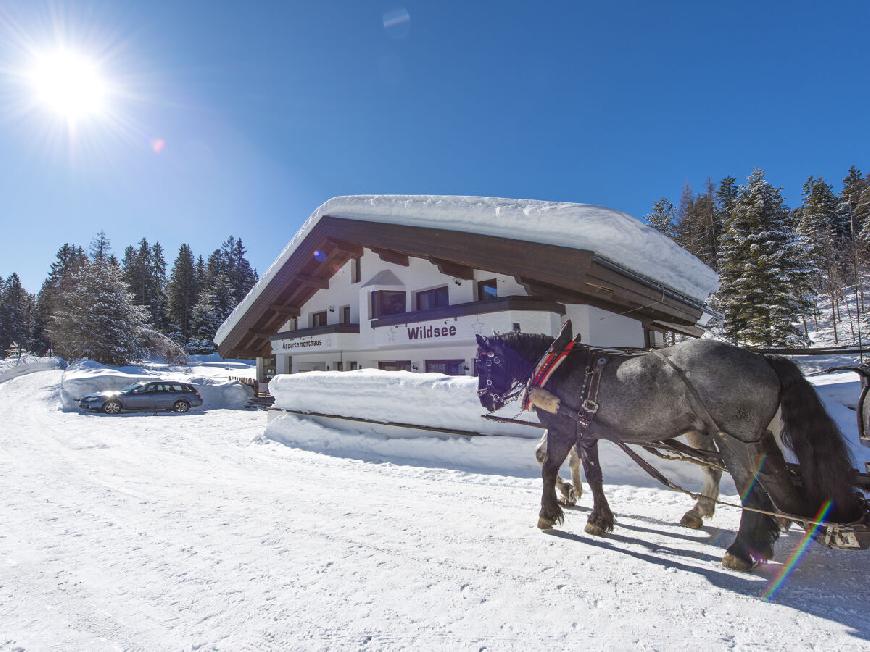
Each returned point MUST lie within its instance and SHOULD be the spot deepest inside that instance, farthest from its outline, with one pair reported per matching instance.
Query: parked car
(150, 395)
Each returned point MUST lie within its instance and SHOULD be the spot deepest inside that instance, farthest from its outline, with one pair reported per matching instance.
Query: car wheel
(181, 406)
(112, 407)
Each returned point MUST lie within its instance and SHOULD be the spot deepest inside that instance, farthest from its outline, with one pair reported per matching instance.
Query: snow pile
(611, 234)
(432, 400)
(88, 377)
(840, 393)
(27, 364)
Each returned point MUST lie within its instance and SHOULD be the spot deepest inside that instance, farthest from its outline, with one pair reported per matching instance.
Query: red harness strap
(545, 369)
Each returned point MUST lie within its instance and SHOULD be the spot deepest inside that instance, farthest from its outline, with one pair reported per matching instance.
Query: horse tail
(825, 465)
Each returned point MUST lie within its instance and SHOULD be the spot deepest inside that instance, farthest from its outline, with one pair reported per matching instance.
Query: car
(148, 395)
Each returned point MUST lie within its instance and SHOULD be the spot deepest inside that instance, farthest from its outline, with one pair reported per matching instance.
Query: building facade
(352, 293)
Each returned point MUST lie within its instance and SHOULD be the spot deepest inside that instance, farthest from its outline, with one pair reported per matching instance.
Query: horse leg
(569, 495)
(601, 520)
(757, 532)
(576, 479)
(705, 506)
(557, 450)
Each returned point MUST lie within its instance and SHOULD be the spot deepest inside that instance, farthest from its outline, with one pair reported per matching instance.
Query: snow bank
(88, 377)
(12, 368)
(433, 400)
(840, 393)
(611, 234)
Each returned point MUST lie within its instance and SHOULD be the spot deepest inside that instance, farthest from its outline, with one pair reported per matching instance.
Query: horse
(720, 393)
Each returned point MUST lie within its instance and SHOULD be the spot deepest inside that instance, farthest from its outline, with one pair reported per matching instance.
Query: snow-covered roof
(610, 234)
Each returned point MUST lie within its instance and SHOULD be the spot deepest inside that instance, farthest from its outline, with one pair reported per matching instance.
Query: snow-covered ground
(196, 532)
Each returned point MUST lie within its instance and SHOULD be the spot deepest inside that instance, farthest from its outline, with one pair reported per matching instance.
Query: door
(140, 398)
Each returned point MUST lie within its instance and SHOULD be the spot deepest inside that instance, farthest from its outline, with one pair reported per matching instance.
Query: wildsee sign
(430, 332)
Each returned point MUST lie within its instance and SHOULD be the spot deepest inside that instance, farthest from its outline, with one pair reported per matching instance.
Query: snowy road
(183, 532)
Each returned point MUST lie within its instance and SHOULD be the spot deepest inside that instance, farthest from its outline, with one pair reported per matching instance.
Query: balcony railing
(473, 308)
(319, 330)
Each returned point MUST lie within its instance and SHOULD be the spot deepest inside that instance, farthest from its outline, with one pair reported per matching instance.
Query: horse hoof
(733, 562)
(545, 523)
(691, 520)
(595, 530)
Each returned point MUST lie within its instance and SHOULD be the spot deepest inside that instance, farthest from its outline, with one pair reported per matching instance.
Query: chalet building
(405, 283)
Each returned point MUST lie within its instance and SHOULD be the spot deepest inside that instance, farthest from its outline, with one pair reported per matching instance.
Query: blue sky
(266, 110)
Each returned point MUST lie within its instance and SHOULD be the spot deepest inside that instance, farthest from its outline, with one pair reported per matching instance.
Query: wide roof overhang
(552, 272)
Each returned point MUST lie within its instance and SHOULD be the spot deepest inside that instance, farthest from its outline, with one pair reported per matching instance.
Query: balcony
(505, 304)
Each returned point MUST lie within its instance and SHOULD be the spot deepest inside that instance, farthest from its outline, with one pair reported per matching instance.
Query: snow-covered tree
(661, 217)
(17, 307)
(97, 317)
(763, 277)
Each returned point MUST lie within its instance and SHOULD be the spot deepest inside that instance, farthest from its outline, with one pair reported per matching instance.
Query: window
(345, 314)
(487, 290)
(431, 299)
(355, 269)
(292, 324)
(449, 367)
(339, 366)
(318, 319)
(354, 366)
(387, 302)
(394, 365)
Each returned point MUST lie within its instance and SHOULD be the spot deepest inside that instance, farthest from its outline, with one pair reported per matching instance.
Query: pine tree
(17, 307)
(661, 217)
(241, 275)
(97, 318)
(763, 281)
(182, 291)
(100, 248)
(158, 301)
(699, 226)
(215, 304)
(61, 279)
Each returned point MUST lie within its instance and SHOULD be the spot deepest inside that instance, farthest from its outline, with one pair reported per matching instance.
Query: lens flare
(798, 553)
(745, 495)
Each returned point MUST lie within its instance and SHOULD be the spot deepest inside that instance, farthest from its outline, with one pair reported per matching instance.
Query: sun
(69, 84)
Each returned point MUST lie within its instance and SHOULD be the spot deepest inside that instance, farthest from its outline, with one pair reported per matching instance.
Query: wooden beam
(349, 249)
(390, 256)
(453, 269)
(282, 310)
(312, 281)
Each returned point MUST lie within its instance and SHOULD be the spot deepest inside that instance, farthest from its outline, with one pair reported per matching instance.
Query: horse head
(495, 384)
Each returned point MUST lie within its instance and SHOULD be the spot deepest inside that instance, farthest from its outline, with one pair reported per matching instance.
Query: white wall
(599, 327)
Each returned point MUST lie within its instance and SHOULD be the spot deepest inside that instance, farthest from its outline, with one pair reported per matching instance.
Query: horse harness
(843, 536)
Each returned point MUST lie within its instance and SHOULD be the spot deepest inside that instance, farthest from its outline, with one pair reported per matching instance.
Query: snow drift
(28, 364)
(432, 400)
(88, 377)
(610, 234)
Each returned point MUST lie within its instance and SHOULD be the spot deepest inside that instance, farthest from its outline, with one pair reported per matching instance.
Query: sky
(241, 118)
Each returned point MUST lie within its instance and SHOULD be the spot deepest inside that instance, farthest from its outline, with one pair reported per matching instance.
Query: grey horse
(645, 399)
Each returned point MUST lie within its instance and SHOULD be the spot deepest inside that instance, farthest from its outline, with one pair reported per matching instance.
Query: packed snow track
(190, 532)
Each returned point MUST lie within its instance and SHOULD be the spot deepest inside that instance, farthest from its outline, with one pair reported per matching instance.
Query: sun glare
(69, 84)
